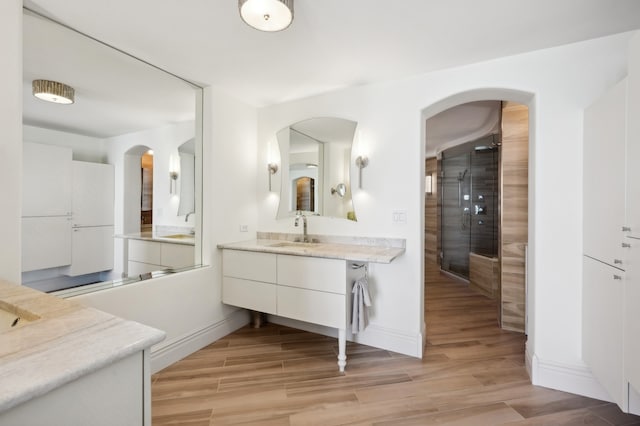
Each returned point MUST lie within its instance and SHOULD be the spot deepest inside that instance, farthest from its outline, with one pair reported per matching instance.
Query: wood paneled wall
(431, 215)
(514, 171)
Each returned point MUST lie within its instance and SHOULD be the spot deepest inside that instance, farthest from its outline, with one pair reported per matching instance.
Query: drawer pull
(617, 262)
(626, 245)
(626, 229)
(617, 277)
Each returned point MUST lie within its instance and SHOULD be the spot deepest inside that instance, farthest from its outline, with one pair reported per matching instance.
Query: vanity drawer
(255, 295)
(144, 251)
(249, 265)
(313, 273)
(318, 307)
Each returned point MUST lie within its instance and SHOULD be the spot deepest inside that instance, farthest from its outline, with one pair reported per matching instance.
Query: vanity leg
(342, 349)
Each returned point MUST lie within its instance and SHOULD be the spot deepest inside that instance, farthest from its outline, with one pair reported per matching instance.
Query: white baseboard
(169, 352)
(570, 378)
(376, 336)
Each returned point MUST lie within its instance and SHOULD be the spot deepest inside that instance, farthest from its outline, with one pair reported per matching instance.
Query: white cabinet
(602, 328)
(303, 288)
(604, 173)
(46, 206)
(93, 194)
(632, 315)
(633, 141)
(46, 180)
(46, 242)
(611, 279)
(149, 255)
(91, 250)
(249, 280)
(118, 394)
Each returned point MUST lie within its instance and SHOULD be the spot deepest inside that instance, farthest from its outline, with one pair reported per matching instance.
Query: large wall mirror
(111, 182)
(315, 168)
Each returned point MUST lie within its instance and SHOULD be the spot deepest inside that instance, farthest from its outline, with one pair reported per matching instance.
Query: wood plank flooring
(472, 374)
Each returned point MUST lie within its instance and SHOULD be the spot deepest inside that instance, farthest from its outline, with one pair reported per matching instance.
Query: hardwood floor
(472, 374)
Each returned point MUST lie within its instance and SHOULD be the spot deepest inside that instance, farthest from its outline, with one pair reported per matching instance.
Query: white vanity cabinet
(150, 255)
(303, 288)
(249, 280)
(312, 290)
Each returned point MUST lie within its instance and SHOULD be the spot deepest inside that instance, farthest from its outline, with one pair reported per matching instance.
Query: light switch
(399, 216)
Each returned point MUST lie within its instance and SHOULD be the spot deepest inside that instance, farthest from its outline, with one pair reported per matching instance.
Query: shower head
(462, 175)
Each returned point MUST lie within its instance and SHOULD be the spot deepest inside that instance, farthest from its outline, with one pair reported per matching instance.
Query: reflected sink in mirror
(12, 317)
(179, 236)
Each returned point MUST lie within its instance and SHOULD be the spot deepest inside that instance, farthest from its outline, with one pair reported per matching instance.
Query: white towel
(361, 301)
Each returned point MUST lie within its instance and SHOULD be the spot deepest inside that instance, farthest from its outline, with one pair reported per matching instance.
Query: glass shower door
(456, 213)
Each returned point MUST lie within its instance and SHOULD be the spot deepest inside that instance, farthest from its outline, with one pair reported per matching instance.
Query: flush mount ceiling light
(267, 15)
(53, 91)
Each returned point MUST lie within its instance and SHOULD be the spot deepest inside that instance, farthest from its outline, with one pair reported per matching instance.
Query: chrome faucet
(305, 237)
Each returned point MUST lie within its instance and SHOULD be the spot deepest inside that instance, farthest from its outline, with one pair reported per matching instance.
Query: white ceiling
(333, 44)
(460, 124)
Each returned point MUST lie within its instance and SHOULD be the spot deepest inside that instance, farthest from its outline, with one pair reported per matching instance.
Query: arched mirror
(95, 212)
(315, 159)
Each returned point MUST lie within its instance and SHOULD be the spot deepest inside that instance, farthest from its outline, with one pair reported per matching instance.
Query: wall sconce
(361, 162)
(173, 182)
(273, 169)
(428, 184)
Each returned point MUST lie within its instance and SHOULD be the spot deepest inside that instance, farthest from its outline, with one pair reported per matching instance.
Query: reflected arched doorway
(138, 190)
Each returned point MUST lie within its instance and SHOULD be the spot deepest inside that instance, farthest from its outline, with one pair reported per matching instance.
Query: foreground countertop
(68, 341)
(353, 249)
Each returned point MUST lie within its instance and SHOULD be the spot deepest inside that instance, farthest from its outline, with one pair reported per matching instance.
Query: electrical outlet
(244, 228)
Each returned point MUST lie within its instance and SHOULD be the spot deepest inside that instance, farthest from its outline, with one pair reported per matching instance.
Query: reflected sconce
(428, 184)
(273, 169)
(340, 190)
(173, 182)
(267, 15)
(53, 91)
(361, 162)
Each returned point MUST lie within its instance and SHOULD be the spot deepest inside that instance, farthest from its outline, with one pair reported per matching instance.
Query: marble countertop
(358, 250)
(148, 236)
(67, 340)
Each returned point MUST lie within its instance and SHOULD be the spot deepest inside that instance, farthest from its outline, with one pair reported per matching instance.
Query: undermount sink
(294, 244)
(12, 317)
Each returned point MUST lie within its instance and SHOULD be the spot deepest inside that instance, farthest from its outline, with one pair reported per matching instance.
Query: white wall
(187, 306)
(563, 81)
(84, 148)
(11, 143)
